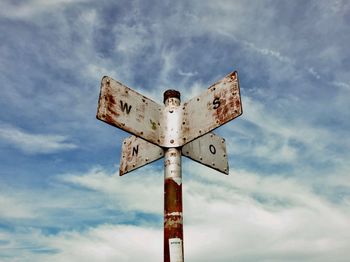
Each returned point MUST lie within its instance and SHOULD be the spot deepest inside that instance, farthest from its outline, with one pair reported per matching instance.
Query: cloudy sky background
(287, 197)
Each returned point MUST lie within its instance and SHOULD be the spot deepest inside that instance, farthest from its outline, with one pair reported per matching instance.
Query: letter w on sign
(124, 108)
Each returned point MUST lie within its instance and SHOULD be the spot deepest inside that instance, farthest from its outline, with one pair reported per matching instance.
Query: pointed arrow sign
(136, 153)
(209, 150)
(124, 108)
(218, 105)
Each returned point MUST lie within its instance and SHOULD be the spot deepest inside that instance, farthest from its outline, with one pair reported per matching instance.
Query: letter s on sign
(216, 103)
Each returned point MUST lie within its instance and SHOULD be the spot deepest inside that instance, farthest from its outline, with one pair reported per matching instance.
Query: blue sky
(287, 197)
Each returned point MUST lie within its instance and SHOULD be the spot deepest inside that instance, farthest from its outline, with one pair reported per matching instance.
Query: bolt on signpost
(170, 131)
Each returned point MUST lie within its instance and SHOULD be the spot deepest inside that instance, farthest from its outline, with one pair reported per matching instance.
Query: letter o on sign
(212, 149)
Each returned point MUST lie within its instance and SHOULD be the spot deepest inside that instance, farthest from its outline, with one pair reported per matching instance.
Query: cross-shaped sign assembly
(169, 131)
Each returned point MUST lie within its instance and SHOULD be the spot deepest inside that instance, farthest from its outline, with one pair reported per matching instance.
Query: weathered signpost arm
(173, 219)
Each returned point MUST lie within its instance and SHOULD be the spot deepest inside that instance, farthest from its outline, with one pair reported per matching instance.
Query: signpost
(169, 131)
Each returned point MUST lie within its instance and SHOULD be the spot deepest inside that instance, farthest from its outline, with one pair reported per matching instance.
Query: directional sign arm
(209, 150)
(124, 108)
(215, 107)
(136, 153)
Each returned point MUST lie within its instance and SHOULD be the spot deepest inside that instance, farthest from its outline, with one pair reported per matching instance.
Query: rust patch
(109, 119)
(172, 196)
(238, 103)
(229, 101)
(167, 162)
(109, 98)
(173, 222)
(111, 110)
(233, 75)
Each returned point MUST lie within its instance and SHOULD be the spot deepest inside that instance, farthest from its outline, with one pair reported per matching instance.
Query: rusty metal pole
(173, 219)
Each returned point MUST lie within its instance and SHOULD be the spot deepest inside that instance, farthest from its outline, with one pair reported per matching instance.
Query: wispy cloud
(28, 9)
(269, 52)
(279, 138)
(341, 85)
(104, 242)
(34, 143)
(188, 74)
(12, 207)
(129, 192)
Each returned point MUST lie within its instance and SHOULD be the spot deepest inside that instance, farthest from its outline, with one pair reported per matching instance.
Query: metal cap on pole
(171, 93)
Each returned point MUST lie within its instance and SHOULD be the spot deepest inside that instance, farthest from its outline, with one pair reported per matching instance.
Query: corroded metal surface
(136, 153)
(209, 150)
(173, 218)
(170, 126)
(215, 107)
(124, 108)
(171, 93)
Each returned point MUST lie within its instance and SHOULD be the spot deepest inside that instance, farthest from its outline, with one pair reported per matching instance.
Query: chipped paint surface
(172, 164)
(173, 216)
(220, 104)
(209, 150)
(173, 199)
(173, 221)
(124, 108)
(176, 214)
(177, 180)
(171, 125)
(136, 153)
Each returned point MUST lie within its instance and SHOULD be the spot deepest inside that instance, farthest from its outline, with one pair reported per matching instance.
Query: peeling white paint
(178, 180)
(174, 214)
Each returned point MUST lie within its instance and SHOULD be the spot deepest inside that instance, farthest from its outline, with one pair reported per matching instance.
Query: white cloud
(194, 90)
(187, 74)
(312, 71)
(244, 216)
(102, 243)
(133, 38)
(107, 243)
(13, 207)
(129, 192)
(34, 143)
(247, 217)
(277, 131)
(31, 8)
